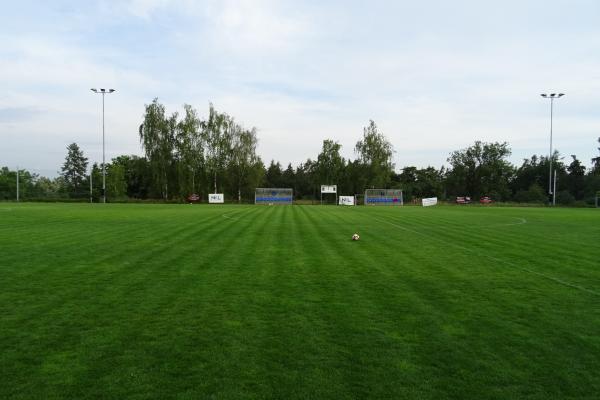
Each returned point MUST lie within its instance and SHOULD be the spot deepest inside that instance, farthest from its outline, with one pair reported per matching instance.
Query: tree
(407, 181)
(115, 178)
(96, 172)
(357, 174)
(8, 184)
(530, 172)
(375, 157)
(535, 194)
(46, 188)
(157, 137)
(592, 180)
(596, 162)
(536, 171)
(217, 136)
(303, 180)
(244, 159)
(430, 182)
(74, 171)
(425, 182)
(565, 197)
(274, 175)
(481, 169)
(190, 150)
(136, 175)
(288, 177)
(576, 179)
(330, 164)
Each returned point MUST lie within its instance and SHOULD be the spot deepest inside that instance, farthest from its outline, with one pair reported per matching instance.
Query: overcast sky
(434, 75)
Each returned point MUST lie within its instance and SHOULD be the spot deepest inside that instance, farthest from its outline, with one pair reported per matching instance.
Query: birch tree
(217, 139)
(157, 138)
(243, 156)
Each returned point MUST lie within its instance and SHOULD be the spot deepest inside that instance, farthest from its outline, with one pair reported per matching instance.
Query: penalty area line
(510, 264)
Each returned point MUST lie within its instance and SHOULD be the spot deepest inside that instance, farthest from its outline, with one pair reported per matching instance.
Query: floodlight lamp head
(544, 95)
(551, 95)
(561, 94)
(103, 90)
(94, 90)
(111, 90)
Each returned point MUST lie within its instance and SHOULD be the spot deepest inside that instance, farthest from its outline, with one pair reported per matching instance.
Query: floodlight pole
(550, 158)
(103, 92)
(551, 96)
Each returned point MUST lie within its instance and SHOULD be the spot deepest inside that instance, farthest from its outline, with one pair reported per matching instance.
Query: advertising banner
(346, 200)
(216, 198)
(193, 198)
(432, 201)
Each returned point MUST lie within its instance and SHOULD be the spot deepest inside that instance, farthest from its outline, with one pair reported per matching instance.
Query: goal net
(273, 196)
(383, 197)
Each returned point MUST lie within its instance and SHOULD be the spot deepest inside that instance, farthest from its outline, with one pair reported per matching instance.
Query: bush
(565, 198)
(535, 194)
(579, 203)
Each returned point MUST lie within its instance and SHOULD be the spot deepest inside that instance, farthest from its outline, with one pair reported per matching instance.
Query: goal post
(273, 196)
(383, 197)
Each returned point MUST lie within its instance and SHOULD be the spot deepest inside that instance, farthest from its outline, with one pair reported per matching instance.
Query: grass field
(188, 302)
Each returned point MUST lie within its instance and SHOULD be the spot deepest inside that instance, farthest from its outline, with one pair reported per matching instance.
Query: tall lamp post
(551, 96)
(103, 92)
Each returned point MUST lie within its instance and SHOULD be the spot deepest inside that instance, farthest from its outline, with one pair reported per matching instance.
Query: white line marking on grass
(520, 222)
(524, 269)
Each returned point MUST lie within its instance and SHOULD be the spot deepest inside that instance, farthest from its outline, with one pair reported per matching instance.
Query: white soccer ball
(355, 236)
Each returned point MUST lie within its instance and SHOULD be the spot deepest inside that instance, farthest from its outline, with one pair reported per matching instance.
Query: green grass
(188, 302)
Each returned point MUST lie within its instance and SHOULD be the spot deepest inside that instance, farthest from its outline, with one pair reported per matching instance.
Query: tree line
(185, 154)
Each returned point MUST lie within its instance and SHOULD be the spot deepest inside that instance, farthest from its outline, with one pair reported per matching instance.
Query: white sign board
(346, 200)
(328, 188)
(432, 201)
(216, 198)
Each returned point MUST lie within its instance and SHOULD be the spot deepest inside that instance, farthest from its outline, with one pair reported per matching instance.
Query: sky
(435, 76)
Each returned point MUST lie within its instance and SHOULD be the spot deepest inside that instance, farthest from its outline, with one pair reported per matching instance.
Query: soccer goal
(271, 196)
(383, 197)
(597, 199)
